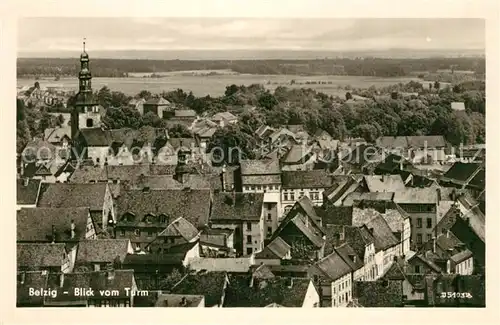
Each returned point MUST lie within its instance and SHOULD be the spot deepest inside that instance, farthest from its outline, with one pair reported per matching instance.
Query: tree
(267, 100)
(23, 135)
(348, 96)
(369, 132)
(60, 120)
(231, 90)
(170, 280)
(47, 121)
(119, 99)
(145, 94)
(179, 131)
(116, 118)
(153, 120)
(230, 144)
(104, 97)
(437, 85)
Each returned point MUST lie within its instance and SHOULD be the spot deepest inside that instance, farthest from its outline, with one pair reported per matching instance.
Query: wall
(288, 200)
(410, 293)
(342, 291)
(465, 268)
(406, 236)
(98, 153)
(265, 188)
(270, 216)
(90, 230)
(108, 208)
(69, 262)
(192, 253)
(370, 265)
(312, 297)
(256, 231)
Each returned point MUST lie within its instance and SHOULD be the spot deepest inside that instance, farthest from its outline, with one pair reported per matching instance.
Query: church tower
(86, 112)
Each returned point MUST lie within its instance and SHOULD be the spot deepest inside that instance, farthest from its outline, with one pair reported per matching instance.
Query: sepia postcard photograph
(300, 162)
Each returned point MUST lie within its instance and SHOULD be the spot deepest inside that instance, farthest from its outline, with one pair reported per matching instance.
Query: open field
(215, 85)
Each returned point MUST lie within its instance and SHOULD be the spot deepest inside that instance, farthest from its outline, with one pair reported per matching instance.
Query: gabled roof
(230, 265)
(334, 266)
(297, 154)
(184, 113)
(306, 179)
(56, 135)
(237, 206)
(427, 195)
(35, 224)
(352, 197)
(40, 255)
(265, 292)
(157, 101)
(358, 238)
(336, 215)
(458, 106)
(461, 172)
(380, 293)
(260, 167)
(30, 280)
(349, 256)
(65, 195)
(180, 227)
(461, 256)
(403, 142)
(224, 116)
(384, 238)
(170, 300)
(192, 205)
(102, 250)
(209, 284)
(28, 194)
(279, 247)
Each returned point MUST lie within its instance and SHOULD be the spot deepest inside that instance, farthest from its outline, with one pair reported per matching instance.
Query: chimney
(370, 230)
(23, 277)
(401, 163)
(61, 280)
(73, 227)
(353, 258)
(438, 192)
(291, 283)
(434, 244)
(26, 181)
(183, 302)
(448, 233)
(53, 234)
(337, 239)
(146, 189)
(110, 274)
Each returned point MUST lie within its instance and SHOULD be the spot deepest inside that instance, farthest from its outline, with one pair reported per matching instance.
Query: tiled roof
(265, 292)
(261, 179)
(297, 154)
(461, 172)
(384, 238)
(263, 272)
(30, 280)
(133, 260)
(393, 217)
(334, 266)
(479, 180)
(384, 183)
(55, 135)
(306, 179)
(260, 167)
(39, 149)
(237, 206)
(411, 141)
(395, 272)
(169, 182)
(472, 284)
(157, 101)
(381, 293)
(224, 115)
(349, 256)
(333, 235)
(361, 155)
(209, 284)
(102, 250)
(411, 195)
(279, 247)
(351, 198)
(40, 255)
(215, 237)
(334, 215)
(98, 280)
(392, 163)
(27, 194)
(170, 300)
(358, 239)
(462, 256)
(192, 205)
(180, 227)
(230, 265)
(64, 195)
(35, 224)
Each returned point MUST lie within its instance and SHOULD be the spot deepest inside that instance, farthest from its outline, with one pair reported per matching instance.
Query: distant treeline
(379, 67)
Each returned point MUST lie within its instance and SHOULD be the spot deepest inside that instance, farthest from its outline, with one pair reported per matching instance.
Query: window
(419, 222)
(122, 232)
(269, 217)
(285, 196)
(249, 239)
(249, 226)
(417, 268)
(172, 240)
(252, 188)
(259, 188)
(269, 206)
(137, 232)
(150, 233)
(269, 231)
(429, 222)
(419, 239)
(429, 237)
(249, 250)
(301, 194)
(292, 196)
(90, 123)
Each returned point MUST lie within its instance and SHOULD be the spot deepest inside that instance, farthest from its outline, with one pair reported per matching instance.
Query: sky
(56, 34)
